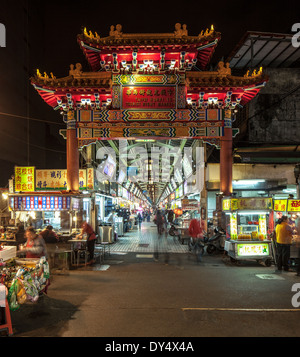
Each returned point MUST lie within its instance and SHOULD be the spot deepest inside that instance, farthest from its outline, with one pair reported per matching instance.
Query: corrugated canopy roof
(264, 49)
(160, 185)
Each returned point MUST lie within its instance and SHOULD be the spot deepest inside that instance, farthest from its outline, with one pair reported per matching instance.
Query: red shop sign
(156, 97)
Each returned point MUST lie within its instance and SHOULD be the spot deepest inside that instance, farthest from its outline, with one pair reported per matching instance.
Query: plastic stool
(99, 252)
(104, 244)
(7, 324)
(66, 257)
(85, 252)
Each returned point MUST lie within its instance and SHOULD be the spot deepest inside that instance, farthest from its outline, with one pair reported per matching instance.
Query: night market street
(140, 297)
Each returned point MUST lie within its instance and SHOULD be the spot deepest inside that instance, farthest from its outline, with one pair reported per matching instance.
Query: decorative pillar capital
(228, 118)
(71, 120)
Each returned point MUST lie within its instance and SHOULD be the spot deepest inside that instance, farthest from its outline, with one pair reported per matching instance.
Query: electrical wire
(276, 102)
(33, 119)
(33, 145)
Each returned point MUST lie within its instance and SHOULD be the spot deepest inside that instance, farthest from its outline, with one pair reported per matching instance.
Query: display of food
(253, 236)
(25, 279)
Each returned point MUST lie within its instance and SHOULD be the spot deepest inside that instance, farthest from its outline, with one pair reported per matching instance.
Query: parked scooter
(173, 231)
(215, 242)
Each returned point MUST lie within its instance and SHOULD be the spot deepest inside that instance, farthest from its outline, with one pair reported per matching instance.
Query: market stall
(63, 212)
(248, 230)
(189, 210)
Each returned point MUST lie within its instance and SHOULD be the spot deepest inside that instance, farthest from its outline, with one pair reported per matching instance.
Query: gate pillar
(72, 154)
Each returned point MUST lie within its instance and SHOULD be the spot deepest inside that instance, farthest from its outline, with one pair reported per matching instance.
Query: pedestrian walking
(161, 243)
(140, 220)
(159, 221)
(165, 223)
(170, 216)
(283, 244)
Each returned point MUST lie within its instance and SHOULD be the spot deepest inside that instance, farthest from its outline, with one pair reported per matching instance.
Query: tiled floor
(146, 241)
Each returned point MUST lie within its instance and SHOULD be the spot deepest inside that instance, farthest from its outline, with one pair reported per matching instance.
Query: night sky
(64, 20)
(42, 34)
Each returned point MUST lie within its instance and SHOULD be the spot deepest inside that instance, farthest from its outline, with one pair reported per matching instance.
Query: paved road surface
(132, 295)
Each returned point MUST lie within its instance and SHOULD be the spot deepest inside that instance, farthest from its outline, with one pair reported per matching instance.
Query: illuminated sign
(154, 97)
(229, 204)
(254, 203)
(226, 204)
(30, 203)
(280, 205)
(233, 226)
(262, 224)
(24, 179)
(252, 249)
(57, 179)
(293, 206)
(189, 204)
(90, 178)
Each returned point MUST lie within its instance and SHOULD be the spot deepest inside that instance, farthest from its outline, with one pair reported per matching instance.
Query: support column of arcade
(226, 163)
(226, 157)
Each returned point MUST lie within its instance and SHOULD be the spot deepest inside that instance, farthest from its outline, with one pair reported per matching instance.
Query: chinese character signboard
(229, 204)
(226, 204)
(256, 203)
(141, 97)
(293, 206)
(51, 180)
(253, 249)
(27, 179)
(57, 179)
(280, 205)
(191, 204)
(233, 226)
(90, 179)
(24, 179)
(262, 224)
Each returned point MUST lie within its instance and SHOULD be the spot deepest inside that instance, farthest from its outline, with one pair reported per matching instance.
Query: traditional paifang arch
(149, 86)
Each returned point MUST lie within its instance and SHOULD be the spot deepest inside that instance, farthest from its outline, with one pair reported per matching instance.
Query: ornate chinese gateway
(148, 86)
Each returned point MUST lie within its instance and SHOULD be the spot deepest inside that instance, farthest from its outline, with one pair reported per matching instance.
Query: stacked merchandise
(25, 282)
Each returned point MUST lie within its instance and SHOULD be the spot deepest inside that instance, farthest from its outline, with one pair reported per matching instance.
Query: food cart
(189, 210)
(247, 229)
(291, 209)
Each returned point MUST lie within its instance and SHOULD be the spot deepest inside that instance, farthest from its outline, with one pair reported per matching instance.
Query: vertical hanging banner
(90, 178)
